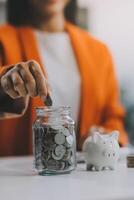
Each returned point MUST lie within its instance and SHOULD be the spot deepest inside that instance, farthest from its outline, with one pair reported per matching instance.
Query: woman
(39, 46)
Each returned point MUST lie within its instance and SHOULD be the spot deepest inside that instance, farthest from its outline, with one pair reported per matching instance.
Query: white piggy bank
(101, 151)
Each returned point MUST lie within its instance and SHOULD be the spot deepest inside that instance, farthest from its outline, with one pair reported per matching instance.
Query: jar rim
(41, 111)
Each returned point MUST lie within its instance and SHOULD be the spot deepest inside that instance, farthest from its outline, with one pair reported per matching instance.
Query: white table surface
(18, 181)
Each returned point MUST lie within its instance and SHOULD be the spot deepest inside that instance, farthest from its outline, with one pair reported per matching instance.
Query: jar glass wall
(54, 141)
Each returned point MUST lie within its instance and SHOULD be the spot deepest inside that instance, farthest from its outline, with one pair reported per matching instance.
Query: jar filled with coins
(54, 141)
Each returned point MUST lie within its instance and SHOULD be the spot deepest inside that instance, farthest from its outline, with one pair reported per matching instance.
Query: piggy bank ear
(96, 136)
(115, 135)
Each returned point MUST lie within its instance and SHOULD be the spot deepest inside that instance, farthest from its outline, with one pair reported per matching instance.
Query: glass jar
(54, 141)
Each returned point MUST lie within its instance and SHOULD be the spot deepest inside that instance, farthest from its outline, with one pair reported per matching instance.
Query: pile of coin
(130, 161)
(54, 148)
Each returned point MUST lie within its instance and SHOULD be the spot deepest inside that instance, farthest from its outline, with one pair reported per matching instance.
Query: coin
(69, 140)
(48, 101)
(67, 155)
(66, 165)
(59, 138)
(52, 164)
(57, 127)
(66, 132)
(63, 164)
(71, 160)
(45, 157)
(60, 150)
(56, 157)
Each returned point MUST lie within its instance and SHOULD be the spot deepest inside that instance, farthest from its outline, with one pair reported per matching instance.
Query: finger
(39, 78)
(49, 89)
(7, 86)
(18, 84)
(28, 79)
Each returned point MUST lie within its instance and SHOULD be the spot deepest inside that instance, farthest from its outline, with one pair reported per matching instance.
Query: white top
(18, 181)
(61, 68)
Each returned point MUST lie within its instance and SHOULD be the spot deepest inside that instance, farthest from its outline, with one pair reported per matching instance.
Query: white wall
(112, 22)
(2, 11)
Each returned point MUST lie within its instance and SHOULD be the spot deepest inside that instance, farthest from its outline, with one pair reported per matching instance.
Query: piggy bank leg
(98, 168)
(90, 167)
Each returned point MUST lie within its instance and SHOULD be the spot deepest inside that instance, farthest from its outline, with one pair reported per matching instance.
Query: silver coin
(67, 145)
(66, 132)
(66, 166)
(48, 143)
(57, 127)
(56, 165)
(67, 155)
(59, 138)
(50, 147)
(45, 156)
(70, 140)
(63, 165)
(60, 150)
(71, 160)
(52, 164)
(59, 157)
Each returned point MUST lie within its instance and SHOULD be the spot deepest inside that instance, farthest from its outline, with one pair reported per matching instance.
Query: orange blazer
(100, 103)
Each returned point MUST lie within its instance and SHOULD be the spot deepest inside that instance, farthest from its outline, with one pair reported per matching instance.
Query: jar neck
(53, 112)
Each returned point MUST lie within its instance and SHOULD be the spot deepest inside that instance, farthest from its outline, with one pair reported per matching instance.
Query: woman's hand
(25, 78)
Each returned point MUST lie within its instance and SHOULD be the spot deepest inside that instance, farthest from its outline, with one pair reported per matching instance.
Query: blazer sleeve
(114, 113)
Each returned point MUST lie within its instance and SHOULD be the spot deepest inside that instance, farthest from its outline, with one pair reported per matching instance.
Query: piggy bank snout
(109, 154)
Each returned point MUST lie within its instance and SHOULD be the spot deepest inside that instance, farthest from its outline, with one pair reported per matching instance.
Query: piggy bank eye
(113, 154)
(109, 154)
(104, 142)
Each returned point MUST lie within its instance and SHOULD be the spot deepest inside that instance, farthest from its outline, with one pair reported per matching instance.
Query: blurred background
(112, 22)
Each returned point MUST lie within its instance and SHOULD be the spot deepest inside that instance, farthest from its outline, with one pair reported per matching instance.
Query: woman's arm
(17, 83)
(10, 107)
